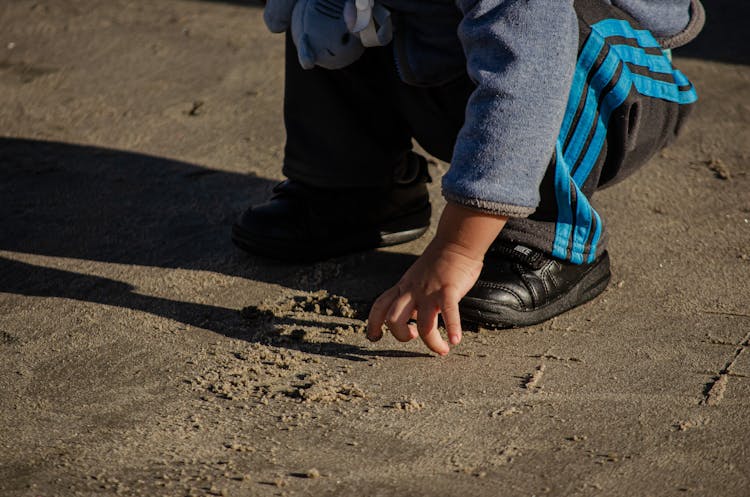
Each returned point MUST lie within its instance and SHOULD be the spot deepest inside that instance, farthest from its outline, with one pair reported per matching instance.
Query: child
(535, 103)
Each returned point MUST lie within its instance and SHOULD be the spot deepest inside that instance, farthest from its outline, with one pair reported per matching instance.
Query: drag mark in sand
(532, 380)
(715, 389)
(727, 313)
(554, 357)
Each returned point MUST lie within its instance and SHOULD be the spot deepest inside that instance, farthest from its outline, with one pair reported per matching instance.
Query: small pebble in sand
(719, 168)
(312, 473)
(279, 482)
(218, 491)
(577, 438)
(531, 381)
(407, 405)
(508, 411)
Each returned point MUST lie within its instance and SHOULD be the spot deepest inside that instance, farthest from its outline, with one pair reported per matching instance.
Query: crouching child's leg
(626, 103)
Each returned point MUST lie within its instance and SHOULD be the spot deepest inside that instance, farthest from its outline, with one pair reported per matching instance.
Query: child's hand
(436, 282)
(433, 284)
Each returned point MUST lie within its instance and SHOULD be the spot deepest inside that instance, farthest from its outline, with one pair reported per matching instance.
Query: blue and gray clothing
(521, 55)
(536, 104)
(626, 102)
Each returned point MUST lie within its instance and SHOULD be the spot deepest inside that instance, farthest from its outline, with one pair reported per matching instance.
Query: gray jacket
(521, 55)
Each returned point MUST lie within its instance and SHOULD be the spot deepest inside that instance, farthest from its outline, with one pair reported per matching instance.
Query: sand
(141, 353)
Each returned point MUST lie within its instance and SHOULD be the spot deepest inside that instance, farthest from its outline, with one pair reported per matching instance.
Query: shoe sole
(489, 315)
(317, 250)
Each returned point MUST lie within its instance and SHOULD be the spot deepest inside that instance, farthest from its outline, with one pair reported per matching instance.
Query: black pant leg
(344, 127)
(436, 114)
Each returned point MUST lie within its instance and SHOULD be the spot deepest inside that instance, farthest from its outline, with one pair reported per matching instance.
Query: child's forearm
(467, 231)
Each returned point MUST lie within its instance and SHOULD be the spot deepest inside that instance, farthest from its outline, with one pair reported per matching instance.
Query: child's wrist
(467, 231)
(446, 246)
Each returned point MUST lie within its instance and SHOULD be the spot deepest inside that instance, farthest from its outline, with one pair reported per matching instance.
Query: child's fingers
(426, 319)
(378, 312)
(427, 325)
(452, 318)
(399, 317)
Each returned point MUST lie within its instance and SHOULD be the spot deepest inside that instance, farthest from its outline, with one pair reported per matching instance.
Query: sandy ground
(142, 354)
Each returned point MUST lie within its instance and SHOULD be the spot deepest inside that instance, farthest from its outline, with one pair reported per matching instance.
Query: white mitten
(371, 22)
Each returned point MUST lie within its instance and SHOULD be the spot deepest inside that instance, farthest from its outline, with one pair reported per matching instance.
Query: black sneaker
(520, 286)
(305, 223)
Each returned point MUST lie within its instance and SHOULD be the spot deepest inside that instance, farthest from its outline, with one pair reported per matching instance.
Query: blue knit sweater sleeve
(521, 55)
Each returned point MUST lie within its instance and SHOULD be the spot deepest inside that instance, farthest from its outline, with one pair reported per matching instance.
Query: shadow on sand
(112, 206)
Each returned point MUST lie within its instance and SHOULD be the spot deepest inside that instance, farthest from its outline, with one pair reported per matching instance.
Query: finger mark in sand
(715, 389)
(554, 357)
(505, 412)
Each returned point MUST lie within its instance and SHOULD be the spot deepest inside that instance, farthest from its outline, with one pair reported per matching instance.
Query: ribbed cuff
(489, 207)
(695, 25)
